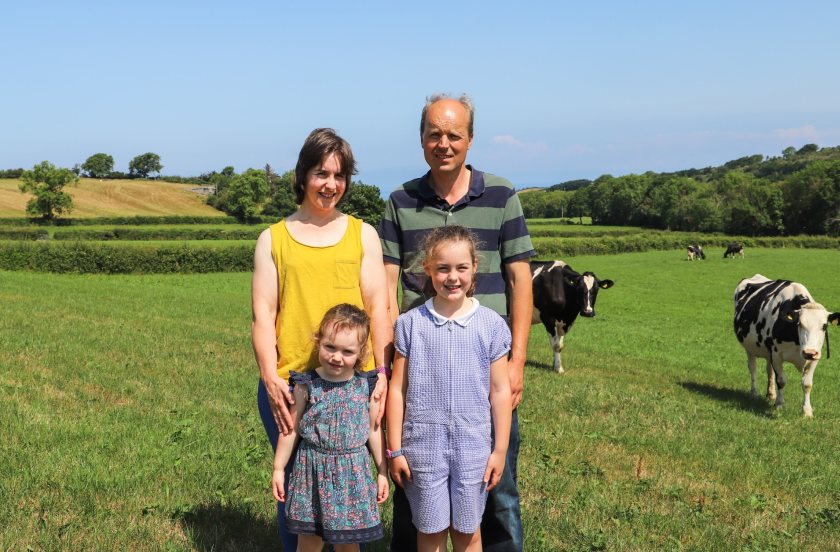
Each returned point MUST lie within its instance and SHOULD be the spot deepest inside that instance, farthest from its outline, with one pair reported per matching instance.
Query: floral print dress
(331, 489)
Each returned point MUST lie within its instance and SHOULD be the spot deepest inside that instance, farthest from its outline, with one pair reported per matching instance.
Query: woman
(314, 259)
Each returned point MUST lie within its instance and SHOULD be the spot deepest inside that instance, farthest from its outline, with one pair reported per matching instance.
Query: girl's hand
(382, 488)
(400, 472)
(380, 394)
(493, 471)
(279, 399)
(278, 481)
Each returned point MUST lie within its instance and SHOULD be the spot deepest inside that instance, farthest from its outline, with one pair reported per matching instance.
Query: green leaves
(46, 182)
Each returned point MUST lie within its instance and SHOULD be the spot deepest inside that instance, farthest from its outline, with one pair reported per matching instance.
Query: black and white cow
(734, 249)
(779, 321)
(560, 294)
(696, 252)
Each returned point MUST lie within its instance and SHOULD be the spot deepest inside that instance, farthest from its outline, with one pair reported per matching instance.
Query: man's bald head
(464, 101)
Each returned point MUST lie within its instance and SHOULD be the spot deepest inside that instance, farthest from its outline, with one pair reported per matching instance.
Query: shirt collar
(476, 188)
(462, 320)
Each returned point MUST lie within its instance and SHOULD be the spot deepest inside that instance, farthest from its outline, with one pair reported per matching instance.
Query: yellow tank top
(311, 280)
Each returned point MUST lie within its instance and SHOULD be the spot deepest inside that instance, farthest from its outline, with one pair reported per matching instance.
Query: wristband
(393, 453)
(384, 370)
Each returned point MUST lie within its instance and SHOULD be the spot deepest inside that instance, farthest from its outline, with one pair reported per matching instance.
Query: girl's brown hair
(346, 317)
(441, 235)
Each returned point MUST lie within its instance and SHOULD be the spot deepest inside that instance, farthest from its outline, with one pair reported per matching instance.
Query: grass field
(130, 423)
(115, 198)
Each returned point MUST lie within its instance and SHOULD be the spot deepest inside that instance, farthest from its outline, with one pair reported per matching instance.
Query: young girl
(331, 496)
(449, 380)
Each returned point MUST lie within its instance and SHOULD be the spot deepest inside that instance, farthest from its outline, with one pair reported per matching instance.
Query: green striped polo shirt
(491, 210)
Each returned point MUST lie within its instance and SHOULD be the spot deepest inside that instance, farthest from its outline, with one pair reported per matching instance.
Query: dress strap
(372, 378)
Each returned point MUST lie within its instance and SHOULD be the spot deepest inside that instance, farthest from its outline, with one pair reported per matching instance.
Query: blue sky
(562, 90)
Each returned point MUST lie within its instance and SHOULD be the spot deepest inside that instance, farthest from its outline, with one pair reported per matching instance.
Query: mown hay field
(115, 198)
(130, 422)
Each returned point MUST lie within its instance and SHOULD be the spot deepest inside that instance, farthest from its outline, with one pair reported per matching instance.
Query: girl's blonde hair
(448, 234)
(346, 317)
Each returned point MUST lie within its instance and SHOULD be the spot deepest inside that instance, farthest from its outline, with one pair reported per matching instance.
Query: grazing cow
(560, 294)
(695, 252)
(779, 321)
(734, 249)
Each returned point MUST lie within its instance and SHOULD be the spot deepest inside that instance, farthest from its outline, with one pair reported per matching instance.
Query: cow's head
(586, 288)
(811, 321)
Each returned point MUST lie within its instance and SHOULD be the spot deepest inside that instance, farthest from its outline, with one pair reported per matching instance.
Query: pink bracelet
(384, 370)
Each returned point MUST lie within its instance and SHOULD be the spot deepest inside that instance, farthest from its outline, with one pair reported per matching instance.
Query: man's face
(446, 137)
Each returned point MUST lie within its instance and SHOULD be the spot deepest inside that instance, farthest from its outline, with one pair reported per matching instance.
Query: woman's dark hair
(320, 143)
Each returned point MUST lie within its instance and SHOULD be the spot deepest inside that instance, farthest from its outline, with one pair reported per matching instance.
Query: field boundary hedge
(119, 258)
(143, 234)
(551, 248)
(90, 258)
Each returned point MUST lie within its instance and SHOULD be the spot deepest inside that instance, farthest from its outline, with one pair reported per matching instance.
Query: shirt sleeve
(402, 335)
(516, 241)
(500, 339)
(390, 235)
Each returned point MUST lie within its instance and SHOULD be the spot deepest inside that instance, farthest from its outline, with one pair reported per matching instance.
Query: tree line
(795, 193)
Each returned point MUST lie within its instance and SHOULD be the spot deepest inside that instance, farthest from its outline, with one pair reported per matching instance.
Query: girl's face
(338, 353)
(452, 271)
(325, 184)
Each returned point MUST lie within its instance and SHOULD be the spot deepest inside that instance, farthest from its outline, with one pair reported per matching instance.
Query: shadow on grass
(739, 399)
(219, 528)
(539, 364)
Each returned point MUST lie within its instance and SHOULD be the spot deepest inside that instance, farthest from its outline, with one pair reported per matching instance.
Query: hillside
(116, 198)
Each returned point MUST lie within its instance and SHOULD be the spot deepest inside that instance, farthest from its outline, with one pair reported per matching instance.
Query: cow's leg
(778, 369)
(557, 345)
(751, 368)
(807, 383)
(771, 381)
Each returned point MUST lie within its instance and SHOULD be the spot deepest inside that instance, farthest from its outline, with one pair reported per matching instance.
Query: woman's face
(325, 184)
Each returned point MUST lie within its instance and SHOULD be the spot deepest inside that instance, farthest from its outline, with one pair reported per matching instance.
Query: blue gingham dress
(446, 434)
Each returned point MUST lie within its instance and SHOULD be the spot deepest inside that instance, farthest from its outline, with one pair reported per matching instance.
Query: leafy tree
(812, 198)
(281, 202)
(46, 182)
(98, 165)
(788, 152)
(365, 202)
(143, 165)
(243, 195)
(808, 148)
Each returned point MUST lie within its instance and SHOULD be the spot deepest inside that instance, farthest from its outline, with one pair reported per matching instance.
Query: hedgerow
(184, 233)
(90, 258)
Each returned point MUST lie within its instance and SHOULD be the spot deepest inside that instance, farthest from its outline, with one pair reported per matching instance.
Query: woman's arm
(500, 407)
(374, 288)
(286, 444)
(396, 410)
(264, 333)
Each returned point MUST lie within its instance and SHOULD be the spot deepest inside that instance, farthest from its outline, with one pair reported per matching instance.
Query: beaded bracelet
(384, 370)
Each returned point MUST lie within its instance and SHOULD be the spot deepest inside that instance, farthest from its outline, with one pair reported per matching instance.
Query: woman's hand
(493, 471)
(400, 472)
(382, 488)
(278, 482)
(279, 399)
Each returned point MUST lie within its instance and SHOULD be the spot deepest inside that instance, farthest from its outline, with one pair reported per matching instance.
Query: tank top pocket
(347, 273)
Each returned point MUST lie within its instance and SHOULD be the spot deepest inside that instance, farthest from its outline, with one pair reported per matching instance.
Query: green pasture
(130, 422)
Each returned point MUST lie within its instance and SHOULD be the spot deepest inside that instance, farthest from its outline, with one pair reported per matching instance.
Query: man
(453, 192)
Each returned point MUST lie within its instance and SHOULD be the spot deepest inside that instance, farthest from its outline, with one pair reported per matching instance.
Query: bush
(134, 221)
(83, 258)
(186, 233)
(23, 234)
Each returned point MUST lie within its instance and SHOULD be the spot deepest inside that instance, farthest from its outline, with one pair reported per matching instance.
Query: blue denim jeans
(501, 526)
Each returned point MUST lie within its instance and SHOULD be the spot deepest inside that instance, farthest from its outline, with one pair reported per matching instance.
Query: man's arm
(521, 310)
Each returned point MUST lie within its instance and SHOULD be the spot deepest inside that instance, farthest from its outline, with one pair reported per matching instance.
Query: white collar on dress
(463, 320)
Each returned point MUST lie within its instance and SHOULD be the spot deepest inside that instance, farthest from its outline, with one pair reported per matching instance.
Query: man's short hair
(320, 143)
(463, 99)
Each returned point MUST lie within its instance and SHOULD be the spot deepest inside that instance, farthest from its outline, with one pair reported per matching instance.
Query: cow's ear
(834, 318)
(605, 284)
